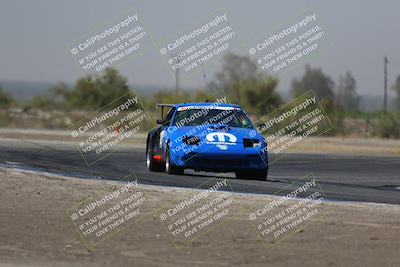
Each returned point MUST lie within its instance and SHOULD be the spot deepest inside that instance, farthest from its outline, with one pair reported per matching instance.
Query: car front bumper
(223, 161)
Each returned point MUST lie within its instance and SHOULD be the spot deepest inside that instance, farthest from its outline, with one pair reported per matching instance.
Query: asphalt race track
(341, 177)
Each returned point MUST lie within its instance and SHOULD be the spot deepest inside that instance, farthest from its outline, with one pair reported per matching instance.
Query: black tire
(151, 164)
(252, 175)
(170, 168)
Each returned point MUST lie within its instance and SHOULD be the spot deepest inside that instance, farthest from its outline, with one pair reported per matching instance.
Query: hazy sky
(34, 36)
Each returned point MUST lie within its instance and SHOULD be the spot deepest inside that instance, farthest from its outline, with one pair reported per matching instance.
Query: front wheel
(151, 163)
(252, 175)
(170, 168)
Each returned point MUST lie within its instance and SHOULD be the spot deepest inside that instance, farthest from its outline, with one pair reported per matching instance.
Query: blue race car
(211, 137)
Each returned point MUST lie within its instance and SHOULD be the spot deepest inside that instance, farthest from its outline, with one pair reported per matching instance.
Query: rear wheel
(252, 175)
(170, 168)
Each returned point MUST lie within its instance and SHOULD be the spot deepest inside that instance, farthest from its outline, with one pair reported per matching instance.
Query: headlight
(191, 140)
(251, 142)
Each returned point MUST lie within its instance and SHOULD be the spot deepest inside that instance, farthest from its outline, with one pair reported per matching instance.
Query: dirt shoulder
(36, 231)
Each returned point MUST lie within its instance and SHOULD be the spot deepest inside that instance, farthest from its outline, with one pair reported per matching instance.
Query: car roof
(207, 104)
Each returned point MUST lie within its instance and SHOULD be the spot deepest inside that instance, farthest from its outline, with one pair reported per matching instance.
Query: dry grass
(353, 146)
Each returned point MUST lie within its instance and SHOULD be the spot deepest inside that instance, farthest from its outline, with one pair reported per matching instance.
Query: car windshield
(233, 117)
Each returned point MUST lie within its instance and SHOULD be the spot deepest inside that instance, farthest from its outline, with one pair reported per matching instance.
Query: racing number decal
(221, 140)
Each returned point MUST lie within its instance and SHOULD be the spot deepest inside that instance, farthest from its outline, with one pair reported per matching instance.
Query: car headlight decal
(247, 142)
(191, 140)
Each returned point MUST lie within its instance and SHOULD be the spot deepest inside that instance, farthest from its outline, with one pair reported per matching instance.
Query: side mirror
(161, 121)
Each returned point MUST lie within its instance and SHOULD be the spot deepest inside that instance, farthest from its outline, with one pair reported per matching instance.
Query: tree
(386, 126)
(235, 69)
(172, 97)
(6, 100)
(323, 86)
(347, 98)
(40, 102)
(257, 96)
(396, 88)
(93, 93)
(316, 80)
(243, 84)
(52, 99)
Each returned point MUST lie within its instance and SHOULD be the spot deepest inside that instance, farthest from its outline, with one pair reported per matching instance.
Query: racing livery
(207, 137)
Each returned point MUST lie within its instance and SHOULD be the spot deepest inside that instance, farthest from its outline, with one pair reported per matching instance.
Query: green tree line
(239, 78)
